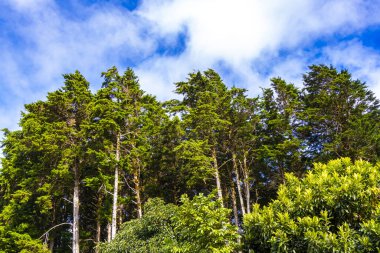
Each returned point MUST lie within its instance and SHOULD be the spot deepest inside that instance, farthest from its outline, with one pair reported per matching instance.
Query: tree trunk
(246, 184)
(121, 208)
(51, 244)
(217, 177)
(98, 232)
(234, 205)
(98, 222)
(109, 232)
(51, 237)
(240, 193)
(136, 180)
(76, 211)
(115, 189)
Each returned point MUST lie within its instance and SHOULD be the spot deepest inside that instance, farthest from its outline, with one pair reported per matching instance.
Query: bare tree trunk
(240, 193)
(217, 177)
(234, 205)
(246, 183)
(98, 222)
(76, 211)
(109, 232)
(121, 208)
(115, 189)
(51, 237)
(51, 245)
(136, 180)
(98, 232)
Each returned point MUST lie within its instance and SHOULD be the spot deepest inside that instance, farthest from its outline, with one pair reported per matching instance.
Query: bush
(335, 208)
(198, 225)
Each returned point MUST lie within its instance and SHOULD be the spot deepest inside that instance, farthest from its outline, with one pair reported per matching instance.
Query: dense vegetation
(119, 171)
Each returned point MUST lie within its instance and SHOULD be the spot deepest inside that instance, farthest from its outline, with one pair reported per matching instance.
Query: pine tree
(340, 116)
(204, 97)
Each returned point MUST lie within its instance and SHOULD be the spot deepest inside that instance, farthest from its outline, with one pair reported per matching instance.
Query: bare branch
(65, 223)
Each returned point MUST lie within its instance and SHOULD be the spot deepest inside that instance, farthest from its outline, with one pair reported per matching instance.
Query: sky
(246, 41)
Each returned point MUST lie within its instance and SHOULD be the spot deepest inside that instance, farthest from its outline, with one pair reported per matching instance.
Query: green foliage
(335, 208)
(198, 225)
(339, 116)
(196, 165)
(122, 139)
(202, 225)
(13, 242)
(152, 233)
(278, 149)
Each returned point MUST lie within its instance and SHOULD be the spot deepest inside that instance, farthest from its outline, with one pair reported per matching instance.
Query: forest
(293, 169)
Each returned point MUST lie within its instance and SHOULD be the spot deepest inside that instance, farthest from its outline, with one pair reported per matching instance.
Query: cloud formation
(247, 41)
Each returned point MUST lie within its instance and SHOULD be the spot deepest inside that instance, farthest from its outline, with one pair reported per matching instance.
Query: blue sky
(246, 41)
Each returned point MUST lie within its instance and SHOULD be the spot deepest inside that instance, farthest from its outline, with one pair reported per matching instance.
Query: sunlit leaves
(333, 209)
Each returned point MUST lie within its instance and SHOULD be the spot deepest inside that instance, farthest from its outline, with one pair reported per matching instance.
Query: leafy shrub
(335, 208)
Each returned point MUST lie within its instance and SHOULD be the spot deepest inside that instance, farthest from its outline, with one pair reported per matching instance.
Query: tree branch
(65, 223)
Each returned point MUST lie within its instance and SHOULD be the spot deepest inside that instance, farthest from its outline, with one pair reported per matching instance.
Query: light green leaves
(333, 209)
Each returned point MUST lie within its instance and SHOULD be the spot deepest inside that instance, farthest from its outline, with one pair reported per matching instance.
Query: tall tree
(116, 116)
(70, 108)
(48, 157)
(241, 142)
(203, 101)
(279, 148)
(340, 116)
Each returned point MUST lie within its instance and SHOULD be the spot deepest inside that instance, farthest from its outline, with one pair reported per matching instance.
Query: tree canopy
(116, 169)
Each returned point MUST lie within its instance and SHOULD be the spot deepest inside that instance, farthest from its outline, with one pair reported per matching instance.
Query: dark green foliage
(278, 149)
(340, 116)
(335, 208)
(152, 233)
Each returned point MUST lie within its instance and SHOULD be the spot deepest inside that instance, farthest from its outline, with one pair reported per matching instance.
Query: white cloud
(363, 62)
(245, 34)
(244, 29)
(51, 43)
(247, 37)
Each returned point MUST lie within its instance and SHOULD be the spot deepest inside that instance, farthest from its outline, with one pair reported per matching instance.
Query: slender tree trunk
(217, 176)
(234, 205)
(115, 189)
(51, 244)
(76, 210)
(121, 208)
(98, 232)
(240, 193)
(98, 222)
(109, 232)
(246, 184)
(136, 180)
(51, 237)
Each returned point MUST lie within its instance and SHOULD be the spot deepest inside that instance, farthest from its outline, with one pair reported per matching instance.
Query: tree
(116, 113)
(240, 141)
(278, 149)
(340, 116)
(69, 114)
(335, 208)
(203, 106)
(45, 162)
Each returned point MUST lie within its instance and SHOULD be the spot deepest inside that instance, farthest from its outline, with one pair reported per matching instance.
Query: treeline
(82, 164)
